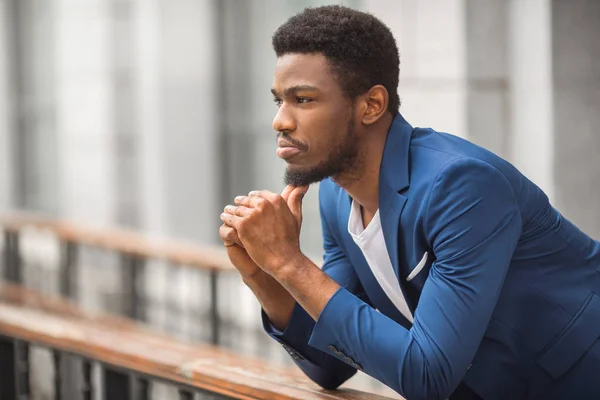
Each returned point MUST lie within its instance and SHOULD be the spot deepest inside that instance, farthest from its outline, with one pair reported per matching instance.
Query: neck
(362, 182)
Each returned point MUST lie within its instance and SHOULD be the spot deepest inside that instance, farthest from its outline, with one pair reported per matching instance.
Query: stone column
(85, 113)
(530, 93)
(488, 108)
(147, 28)
(189, 118)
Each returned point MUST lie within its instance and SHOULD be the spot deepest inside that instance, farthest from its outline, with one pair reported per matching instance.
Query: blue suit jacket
(507, 299)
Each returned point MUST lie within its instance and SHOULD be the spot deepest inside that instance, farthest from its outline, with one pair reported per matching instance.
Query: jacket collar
(395, 164)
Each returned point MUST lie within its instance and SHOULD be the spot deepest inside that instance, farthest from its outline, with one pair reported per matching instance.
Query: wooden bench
(131, 356)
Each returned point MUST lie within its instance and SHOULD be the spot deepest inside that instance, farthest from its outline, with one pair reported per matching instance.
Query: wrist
(256, 277)
(293, 267)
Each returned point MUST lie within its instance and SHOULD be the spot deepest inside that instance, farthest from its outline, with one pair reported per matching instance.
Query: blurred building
(154, 114)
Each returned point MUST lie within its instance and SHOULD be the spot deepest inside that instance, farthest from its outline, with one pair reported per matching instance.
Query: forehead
(303, 69)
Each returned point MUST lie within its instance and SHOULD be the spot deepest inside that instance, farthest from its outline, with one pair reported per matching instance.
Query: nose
(284, 121)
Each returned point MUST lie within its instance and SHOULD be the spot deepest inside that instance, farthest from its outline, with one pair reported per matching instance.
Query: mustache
(291, 140)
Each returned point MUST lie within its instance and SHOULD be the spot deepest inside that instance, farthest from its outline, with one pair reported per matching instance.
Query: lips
(287, 149)
(287, 152)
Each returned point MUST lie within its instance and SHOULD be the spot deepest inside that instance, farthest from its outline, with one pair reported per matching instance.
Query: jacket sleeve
(472, 224)
(324, 369)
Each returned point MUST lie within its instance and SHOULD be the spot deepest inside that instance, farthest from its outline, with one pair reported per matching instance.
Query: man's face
(314, 120)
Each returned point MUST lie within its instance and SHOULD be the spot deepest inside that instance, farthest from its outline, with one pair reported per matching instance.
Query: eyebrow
(294, 89)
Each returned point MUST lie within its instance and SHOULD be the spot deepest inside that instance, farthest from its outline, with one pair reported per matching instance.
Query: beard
(340, 162)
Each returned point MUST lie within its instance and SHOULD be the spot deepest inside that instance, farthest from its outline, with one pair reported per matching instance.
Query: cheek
(323, 147)
(323, 130)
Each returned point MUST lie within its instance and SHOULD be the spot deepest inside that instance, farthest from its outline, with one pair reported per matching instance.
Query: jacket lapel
(368, 280)
(391, 205)
(394, 177)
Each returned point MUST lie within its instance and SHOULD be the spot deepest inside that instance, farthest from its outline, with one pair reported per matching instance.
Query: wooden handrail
(210, 258)
(54, 323)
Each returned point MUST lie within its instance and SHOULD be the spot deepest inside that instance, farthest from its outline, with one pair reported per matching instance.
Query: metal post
(6, 255)
(68, 270)
(185, 395)
(132, 273)
(214, 309)
(67, 279)
(57, 360)
(88, 388)
(142, 389)
(117, 385)
(12, 258)
(8, 370)
(22, 366)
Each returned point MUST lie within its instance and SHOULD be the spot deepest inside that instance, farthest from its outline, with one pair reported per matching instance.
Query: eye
(303, 100)
(277, 101)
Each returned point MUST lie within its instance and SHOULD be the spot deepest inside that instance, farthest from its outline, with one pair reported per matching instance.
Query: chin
(301, 176)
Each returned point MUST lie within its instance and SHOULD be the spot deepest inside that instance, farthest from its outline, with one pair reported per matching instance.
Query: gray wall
(576, 80)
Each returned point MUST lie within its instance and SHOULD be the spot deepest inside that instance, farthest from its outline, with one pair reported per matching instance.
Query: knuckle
(230, 235)
(273, 198)
(261, 203)
(224, 232)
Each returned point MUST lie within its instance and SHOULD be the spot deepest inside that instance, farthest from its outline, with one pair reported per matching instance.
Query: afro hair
(360, 49)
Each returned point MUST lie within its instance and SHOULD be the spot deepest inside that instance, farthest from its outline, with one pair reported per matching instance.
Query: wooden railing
(130, 358)
(129, 355)
(134, 249)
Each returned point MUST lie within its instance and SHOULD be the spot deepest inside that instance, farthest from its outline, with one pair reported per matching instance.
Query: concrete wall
(430, 36)
(85, 111)
(7, 174)
(576, 117)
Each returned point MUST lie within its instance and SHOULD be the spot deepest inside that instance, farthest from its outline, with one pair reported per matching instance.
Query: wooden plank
(123, 241)
(54, 323)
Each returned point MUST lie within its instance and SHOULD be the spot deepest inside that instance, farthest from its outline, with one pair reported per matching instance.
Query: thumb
(294, 202)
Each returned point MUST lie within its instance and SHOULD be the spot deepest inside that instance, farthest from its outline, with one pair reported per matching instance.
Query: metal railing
(29, 320)
(119, 359)
(217, 322)
(116, 383)
(134, 250)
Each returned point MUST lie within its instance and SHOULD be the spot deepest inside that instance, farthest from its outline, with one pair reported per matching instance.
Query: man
(446, 273)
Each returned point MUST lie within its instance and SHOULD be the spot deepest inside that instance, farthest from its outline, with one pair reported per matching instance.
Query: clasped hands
(261, 232)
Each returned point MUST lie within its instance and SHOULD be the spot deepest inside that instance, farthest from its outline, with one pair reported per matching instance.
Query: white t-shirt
(372, 244)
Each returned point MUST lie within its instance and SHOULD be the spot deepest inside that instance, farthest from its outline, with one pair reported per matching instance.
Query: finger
(265, 194)
(231, 220)
(248, 202)
(240, 211)
(224, 232)
(295, 202)
(287, 191)
(254, 193)
(229, 236)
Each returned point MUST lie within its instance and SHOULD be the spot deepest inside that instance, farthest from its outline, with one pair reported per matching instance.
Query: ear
(375, 104)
